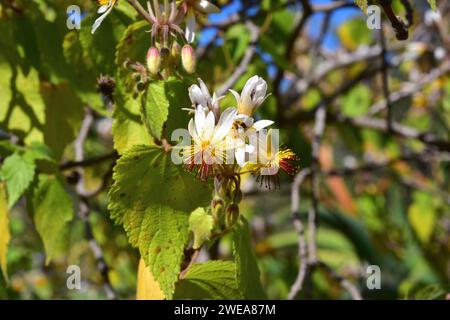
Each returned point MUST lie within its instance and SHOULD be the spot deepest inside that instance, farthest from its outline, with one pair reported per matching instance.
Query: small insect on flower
(209, 147)
(105, 8)
(252, 96)
(270, 160)
(191, 8)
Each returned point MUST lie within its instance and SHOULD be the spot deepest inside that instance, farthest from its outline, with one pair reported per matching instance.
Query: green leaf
(433, 4)
(52, 208)
(153, 198)
(162, 107)
(5, 235)
(128, 129)
(209, 280)
(362, 4)
(247, 272)
(155, 108)
(357, 101)
(18, 172)
(63, 113)
(133, 46)
(201, 225)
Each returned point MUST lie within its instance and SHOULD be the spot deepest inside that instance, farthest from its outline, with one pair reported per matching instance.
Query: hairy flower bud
(188, 59)
(232, 215)
(165, 56)
(175, 52)
(153, 60)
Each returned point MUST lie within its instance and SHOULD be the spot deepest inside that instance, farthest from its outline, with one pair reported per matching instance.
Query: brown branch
(83, 211)
(298, 225)
(385, 78)
(88, 162)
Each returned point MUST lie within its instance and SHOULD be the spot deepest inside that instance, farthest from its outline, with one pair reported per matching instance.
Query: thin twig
(83, 212)
(298, 225)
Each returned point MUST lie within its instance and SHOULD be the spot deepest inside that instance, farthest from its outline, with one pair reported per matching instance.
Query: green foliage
(18, 172)
(433, 4)
(63, 113)
(52, 209)
(209, 280)
(128, 129)
(201, 225)
(152, 198)
(363, 4)
(155, 108)
(247, 272)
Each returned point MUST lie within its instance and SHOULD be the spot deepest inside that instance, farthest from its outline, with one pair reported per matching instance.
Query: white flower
(200, 95)
(252, 96)
(201, 6)
(270, 160)
(210, 141)
(244, 127)
(105, 8)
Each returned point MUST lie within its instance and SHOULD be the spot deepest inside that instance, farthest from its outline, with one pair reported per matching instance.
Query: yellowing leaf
(362, 4)
(5, 235)
(63, 116)
(433, 4)
(201, 224)
(422, 216)
(147, 287)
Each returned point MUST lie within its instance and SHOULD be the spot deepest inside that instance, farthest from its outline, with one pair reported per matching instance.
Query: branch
(83, 211)
(298, 225)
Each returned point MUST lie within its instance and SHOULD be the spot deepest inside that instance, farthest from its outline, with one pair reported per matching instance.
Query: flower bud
(217, 205)
(188, 59)
(153, 60)
(175, 52)
(232, 215)
(165, 56)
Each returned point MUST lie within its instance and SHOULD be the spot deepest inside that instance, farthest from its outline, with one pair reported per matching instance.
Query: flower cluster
(229, 143)
(166, 20)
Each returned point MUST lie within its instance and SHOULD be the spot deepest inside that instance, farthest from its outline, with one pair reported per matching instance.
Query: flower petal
(239, 154)
(200, 120)
(191, 128)
(191, 24)
(210, 125)
(206, 7)
(100, 19)
(225, 123)
(261, 124)
(236, 96)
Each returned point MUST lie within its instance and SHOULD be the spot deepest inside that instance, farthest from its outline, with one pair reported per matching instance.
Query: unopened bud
(188, 59)
(153, 60)
(165, 56)
(232, 215)
(175, 52)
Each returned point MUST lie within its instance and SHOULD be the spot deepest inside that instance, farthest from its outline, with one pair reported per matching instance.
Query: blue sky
(330, 41)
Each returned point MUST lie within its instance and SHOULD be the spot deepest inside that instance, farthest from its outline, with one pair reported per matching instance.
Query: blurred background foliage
(395, 214)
